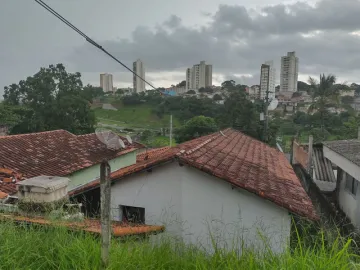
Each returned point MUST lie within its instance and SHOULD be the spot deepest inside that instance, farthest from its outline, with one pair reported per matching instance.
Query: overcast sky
(236, 37)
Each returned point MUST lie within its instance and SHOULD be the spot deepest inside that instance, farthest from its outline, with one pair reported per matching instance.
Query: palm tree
(325, 94)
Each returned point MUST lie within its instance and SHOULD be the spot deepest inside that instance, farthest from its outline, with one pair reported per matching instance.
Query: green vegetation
(196, 127)
(35, 247)
(55, 99)
(50, 99)
(134, 116)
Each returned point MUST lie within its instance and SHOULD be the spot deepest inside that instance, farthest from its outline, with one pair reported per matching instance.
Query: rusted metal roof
(322, 166)
(349, 149)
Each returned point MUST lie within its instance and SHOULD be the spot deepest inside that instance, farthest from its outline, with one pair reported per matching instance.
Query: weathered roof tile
(53, 153)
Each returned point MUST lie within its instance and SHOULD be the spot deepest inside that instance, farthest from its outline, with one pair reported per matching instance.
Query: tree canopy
(196, 127)
(51, 99)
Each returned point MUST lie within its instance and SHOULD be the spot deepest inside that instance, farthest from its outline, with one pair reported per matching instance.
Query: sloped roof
(238, 159)
(3, 195)
(254, 166)
(53, 153)
(349, 149)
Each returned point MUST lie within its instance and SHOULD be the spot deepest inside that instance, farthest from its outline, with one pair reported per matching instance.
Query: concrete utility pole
(266, 115)
(171, 130)
(105, 197)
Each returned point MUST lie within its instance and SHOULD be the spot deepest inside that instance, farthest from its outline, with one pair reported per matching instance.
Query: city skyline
(234, 38)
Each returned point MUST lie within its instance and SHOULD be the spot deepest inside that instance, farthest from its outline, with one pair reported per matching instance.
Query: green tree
(191, 92)
(296, 94)
(51, 99)
(181, 84)
(241, 114)
(91, 92)
(347, 100)
(195, 127)
(119, 92)
(217, 97)
(230, 84)
(324, 94)
(303, 86)
(8, 116)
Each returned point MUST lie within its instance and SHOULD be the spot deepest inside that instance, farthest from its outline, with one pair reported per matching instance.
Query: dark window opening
(131, 214)
(351, 184)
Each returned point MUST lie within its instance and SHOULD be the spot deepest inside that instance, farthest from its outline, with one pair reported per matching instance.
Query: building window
(132, 214)
(351, 184)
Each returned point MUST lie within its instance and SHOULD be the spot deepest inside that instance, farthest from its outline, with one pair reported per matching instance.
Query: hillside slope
(136, 116)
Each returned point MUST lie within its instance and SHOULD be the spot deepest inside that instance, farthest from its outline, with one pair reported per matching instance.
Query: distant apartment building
(267, 80)
(106, 82)
(200, 75)
(139, 69)
(254, 91)
(289, 72)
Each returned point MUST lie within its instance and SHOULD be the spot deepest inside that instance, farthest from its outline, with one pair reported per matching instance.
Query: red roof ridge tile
(202, 144)
(34, 133)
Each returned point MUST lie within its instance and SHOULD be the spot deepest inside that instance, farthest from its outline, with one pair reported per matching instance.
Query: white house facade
(224, 190)
(200, 208)
(344, 154)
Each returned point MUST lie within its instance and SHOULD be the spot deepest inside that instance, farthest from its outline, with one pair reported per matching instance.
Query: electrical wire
(88, 39)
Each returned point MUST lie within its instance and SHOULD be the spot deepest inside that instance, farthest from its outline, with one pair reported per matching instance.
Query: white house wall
(191, 204)
(349, 203)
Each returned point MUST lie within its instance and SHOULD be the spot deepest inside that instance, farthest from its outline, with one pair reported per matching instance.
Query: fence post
(292, 151)
(105, 197)
(310, 151)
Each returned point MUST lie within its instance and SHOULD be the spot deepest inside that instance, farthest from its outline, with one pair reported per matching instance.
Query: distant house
(225, 188)
(59, 153)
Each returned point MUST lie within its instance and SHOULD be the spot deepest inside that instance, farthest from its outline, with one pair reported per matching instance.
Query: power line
(87, 38)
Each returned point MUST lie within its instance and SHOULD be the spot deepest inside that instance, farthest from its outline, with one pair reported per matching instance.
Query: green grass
(55, 248)
(139, 116)
(159, 141)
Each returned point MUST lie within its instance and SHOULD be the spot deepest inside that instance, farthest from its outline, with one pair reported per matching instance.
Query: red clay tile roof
(238, 159)
(8, 179)
(3, 195)
(54, 153)
(252, 165)
(90, 225)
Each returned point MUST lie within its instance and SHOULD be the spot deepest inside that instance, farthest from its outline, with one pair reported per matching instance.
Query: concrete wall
(87, 175)
(193, 204)
(348, 202)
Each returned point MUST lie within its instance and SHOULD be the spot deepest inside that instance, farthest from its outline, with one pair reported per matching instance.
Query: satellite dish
(109, 138)
(102, 134)
(273, 104)
(121, 142)
(129, 139)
